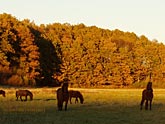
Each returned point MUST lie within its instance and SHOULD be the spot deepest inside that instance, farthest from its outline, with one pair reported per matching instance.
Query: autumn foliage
(88, 56)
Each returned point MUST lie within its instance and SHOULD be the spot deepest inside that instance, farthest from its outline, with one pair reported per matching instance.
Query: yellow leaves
(3, 59)
(34, 55)
(86, 55)
(34, 64)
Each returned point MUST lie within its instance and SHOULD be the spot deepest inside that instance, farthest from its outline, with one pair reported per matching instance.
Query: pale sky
(143, 17)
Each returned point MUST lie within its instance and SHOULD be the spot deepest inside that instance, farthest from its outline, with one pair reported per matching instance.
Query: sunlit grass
(103, 106)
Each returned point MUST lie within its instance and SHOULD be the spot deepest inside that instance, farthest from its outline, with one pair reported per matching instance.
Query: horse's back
(29, 92)
(20, 92)
(73, 93)
(23, 92)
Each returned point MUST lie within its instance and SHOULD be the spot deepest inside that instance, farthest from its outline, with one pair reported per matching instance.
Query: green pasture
(101, 106)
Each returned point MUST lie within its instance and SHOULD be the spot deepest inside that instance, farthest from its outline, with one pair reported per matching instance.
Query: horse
(147, 95)
(24, 93)
(2, 92)
(62, 96)
(75, 94)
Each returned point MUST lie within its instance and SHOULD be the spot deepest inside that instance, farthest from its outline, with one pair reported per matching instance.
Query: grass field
(101, 106)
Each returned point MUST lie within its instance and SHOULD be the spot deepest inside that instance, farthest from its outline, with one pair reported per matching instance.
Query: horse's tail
(16, 93)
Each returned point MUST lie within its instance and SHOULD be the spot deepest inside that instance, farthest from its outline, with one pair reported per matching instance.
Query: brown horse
(24, 93)
(147, 95)
(62, 96)
(2, 92)
(75, 94)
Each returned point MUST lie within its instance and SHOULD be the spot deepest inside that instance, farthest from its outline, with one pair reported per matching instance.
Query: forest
(89, 56)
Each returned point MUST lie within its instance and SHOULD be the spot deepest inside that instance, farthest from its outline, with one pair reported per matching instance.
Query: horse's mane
(65, 88)
(149, 86)
(30, 94)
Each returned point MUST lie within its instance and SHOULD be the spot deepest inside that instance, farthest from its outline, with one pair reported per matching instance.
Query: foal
(147, 95)
(3, 93)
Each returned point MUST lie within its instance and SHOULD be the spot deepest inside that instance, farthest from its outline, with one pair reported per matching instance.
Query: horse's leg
(70, 100)
(25, 98)
(76, 101)
(60, 104)
(21, 98)
(150, 104)
(17, 98)
(141, 104)
(66, 102)
(146, 105)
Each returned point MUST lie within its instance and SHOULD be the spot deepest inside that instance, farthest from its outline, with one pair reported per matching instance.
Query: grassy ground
(101, 106)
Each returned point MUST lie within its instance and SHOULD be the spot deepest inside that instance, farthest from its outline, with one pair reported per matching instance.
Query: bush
(14, 80)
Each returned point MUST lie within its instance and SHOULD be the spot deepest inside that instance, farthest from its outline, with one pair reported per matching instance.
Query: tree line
(44, 55)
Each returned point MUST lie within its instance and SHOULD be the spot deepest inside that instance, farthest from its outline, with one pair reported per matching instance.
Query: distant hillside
(88, 56)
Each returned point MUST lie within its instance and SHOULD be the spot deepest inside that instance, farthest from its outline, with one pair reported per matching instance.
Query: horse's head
(149, 86)
(81, 99)
(65, 87)
(31, 97)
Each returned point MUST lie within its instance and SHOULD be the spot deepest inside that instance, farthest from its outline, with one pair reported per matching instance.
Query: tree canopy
(32, 55)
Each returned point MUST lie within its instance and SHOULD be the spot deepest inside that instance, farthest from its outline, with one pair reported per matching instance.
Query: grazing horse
(147, 95)
(62, 96)
(75, 94)
(24, 93)
(2, 92)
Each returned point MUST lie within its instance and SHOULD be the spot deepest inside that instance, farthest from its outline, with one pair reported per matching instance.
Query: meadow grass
(101, 106)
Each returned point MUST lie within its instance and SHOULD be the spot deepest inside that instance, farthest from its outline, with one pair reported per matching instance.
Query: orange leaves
(88, 56)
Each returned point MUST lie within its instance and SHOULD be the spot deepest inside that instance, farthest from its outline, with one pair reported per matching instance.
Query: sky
(143, 17)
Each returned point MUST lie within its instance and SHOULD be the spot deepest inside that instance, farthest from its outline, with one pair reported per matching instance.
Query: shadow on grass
(37, 99)
(155, 107)
(96, 114)
(49, 99)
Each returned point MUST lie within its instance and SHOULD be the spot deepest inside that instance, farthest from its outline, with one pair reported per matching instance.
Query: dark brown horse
(24, 93)
(2, 92)
(147, 95)
(62, 96)
(75, 94)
